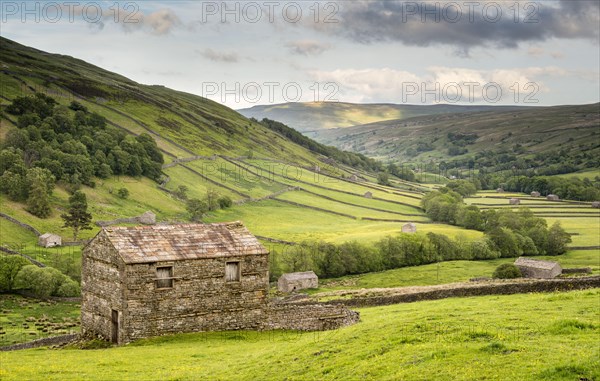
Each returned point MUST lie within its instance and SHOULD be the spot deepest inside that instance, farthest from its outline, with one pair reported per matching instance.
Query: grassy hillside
(312, 117)
(522, 132)
(537, 336)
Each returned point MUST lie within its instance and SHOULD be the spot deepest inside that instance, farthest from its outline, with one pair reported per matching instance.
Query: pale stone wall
(200, 300)
(101, 287)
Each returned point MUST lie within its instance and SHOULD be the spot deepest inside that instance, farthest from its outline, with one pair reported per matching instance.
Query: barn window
(232, 272)
(164, 277)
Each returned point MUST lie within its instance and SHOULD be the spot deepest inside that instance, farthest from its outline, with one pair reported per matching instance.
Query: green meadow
(536, 337)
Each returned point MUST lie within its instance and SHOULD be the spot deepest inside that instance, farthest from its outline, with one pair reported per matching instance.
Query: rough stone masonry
(152, 280)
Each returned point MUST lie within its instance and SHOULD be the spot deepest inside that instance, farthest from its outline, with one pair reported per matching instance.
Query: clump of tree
(71, 145)
(46, 281)
(511, 233)
(212, 201)
(351, 159)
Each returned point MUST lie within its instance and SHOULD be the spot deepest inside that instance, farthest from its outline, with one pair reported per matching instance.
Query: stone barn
(409, 228)
(368, 195)
(297, 281)
(535, 194)
(514, 201)
(353, 178)
(500, 190)
(552, 197)
(152, 280)
(535, 268)
(596, 204)
(49, 240)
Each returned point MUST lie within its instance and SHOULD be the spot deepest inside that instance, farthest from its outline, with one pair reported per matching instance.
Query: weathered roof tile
(140, 244)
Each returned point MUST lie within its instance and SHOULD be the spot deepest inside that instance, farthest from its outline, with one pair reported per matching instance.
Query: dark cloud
(215, 56)
(429, 23)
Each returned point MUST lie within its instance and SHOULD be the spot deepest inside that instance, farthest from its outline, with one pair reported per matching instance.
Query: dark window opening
(232, 272)
(164, 277)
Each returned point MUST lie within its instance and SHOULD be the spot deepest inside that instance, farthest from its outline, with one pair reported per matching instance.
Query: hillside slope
(183, 124)
(525, 132)
(316, 116)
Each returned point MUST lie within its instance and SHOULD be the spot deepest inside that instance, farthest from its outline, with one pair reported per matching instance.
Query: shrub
(68, 288)
(123, 193)
(45, 281)
(10, 265)
(225, 202)
(507, 271)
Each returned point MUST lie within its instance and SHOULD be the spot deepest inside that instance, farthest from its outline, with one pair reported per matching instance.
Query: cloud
(307, 47)
(159, 22)
(538, 52)
(442, 84)
(463, 26)
(215, 56)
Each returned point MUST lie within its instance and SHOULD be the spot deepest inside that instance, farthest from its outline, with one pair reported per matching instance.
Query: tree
(196, 208)
(10, 265)
(383, 178)
(41, 183)
(212, 199)
(225, 202)
(181, 192)
(77, 217)
(123, 193)
(558, 239)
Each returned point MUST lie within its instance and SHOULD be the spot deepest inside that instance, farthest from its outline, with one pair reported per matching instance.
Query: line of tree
(71, 145)
(351, 159)
(511, 233)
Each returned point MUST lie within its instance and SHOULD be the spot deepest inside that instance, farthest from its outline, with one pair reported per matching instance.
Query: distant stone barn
(552, 197)
(49, 240)
(368, 195)
(596, 204)
(409, 228)
(297, 281)
(152, 280)
(536, 268)
(535, 194)
(514, 201)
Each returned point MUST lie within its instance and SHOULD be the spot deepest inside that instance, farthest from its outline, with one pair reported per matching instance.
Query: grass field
(25, 319)
(448, 272)
(537, 336)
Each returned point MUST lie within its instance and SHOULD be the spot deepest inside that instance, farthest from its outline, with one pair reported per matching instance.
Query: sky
(250, 53)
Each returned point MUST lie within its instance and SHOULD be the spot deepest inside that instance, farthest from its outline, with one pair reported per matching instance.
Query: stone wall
(101, 287)
(21, 224)
(508, 287)
(308, 317)
(46, 341)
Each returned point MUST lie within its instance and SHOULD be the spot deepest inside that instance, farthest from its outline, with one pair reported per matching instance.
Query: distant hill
(572, 129)
(316, 116)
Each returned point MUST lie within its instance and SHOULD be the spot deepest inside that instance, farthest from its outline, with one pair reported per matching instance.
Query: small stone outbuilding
(297, 281)
(535, 194)
(536, 268)
(409, 228)
(596, 204)
(552, 197)
(353, 178)
(147, 218)
(500, 190)
(514, 201)
(368, 195)
(153, 280)
(49, 240)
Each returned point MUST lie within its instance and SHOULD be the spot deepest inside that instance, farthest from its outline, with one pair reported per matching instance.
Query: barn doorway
(115, 327)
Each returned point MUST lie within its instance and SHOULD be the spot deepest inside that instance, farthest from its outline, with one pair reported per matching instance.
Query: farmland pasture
(458, 338)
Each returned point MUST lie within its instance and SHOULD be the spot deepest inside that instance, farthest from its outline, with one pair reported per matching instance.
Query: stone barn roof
(535, 263)
(299, 276)
(141, 244)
